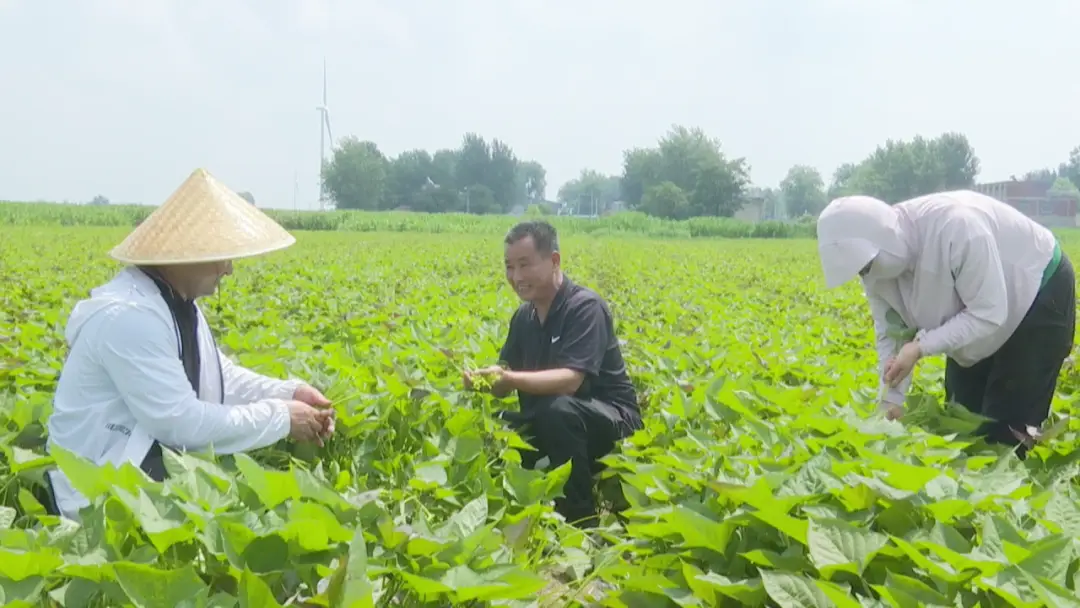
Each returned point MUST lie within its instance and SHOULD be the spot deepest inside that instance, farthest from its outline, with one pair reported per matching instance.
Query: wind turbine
(324, 134)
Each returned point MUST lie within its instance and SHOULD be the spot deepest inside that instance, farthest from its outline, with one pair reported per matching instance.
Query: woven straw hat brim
(202, 221)
(180, 260)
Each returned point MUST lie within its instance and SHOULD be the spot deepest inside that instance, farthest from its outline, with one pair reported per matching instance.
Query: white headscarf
(852, 231)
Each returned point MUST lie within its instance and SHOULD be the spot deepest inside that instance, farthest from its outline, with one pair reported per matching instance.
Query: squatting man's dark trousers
(1015, 385)
(576, 430)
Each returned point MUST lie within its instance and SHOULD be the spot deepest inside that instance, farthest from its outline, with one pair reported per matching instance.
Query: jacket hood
(852, 231)
(128, 288)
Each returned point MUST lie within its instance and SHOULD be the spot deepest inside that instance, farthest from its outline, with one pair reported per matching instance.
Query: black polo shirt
(579, 334)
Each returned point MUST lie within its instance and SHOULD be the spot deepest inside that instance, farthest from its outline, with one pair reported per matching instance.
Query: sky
(125, 98)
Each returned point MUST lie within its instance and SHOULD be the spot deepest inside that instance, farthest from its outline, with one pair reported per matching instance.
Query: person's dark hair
(543, 235)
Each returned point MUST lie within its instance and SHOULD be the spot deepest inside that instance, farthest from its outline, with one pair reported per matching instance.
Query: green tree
(444, 168)
(666, 200)
(478, 177)
(955, 160)
(436, 198)
(591, 191)
(356, 177)
(899, 170)
(502, 176)
(531, 182)
(803, 191)
(1070, 169)
(480, 199)
(719, 188)
(841, 180)
(1062, 186)
(641, 168)
(494, 166)
(473, 161)
(711, 183)
(407, 175)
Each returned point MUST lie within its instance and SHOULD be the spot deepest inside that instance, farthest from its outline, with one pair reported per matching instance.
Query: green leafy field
(762, 478)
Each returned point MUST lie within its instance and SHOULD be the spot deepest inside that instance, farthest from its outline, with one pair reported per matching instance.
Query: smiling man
(562, 357)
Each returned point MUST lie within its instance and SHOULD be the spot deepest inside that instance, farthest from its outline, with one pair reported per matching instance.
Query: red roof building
(1034, 199)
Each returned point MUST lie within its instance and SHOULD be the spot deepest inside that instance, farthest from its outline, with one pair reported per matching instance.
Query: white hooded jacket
(960, 267)
(123, 386)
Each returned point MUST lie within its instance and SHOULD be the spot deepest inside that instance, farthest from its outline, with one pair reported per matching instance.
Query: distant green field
(22, 214)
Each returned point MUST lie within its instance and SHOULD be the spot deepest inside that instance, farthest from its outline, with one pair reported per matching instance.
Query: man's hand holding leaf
(485, 379)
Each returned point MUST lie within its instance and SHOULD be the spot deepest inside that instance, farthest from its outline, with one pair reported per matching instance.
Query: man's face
(530, 272)
(201, 280)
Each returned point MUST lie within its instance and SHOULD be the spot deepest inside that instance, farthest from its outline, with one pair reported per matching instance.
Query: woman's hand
(900, 366)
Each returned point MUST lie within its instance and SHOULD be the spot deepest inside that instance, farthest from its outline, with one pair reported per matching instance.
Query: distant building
(752, 211)
(1034, 199)
(759, 205)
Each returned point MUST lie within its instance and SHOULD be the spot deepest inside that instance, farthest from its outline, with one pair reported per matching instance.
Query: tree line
(477, 177)
(686, 174)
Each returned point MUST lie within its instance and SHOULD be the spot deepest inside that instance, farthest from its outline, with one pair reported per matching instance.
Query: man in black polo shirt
(562, 357)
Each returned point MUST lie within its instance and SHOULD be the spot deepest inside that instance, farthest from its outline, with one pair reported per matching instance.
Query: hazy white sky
(126, 97)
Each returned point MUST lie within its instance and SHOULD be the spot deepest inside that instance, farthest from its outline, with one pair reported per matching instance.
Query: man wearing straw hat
(143, 369)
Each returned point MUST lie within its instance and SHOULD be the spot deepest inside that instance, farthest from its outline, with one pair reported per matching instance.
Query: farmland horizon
(621, 223)
(630, 223)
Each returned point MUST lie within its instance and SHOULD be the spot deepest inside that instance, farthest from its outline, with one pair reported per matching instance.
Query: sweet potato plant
(763, 476)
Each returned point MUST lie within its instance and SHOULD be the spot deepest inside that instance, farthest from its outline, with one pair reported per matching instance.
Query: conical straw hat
(203, 221)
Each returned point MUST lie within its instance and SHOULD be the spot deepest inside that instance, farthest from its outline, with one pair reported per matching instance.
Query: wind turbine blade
(329, 133)
(324, 81)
